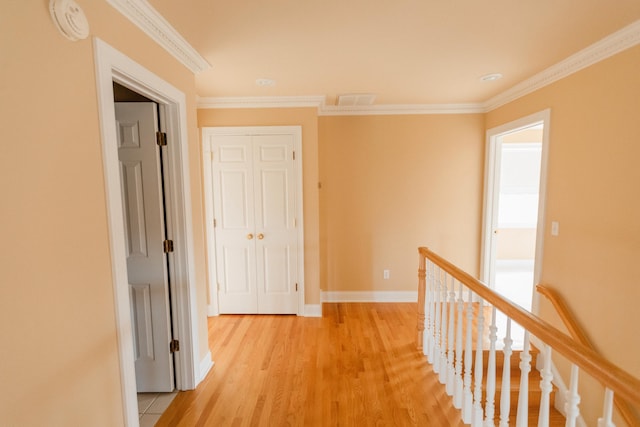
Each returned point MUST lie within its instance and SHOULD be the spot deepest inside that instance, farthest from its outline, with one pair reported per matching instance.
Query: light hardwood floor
(356, 366)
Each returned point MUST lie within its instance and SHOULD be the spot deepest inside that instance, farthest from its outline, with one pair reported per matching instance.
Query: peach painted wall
(593, 192)
(307, 118)
(391, 184)
(58, 361)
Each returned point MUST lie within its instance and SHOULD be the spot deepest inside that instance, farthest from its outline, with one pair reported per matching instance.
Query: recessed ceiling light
(491, 77)
(265, 82)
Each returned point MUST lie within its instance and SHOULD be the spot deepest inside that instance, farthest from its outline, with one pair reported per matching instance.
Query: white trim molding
(490, 206)
(400, 109)
(623, 39)
(313, 310)
(112, 65)
(369, 296)
(153, 24)
(318, 102)
(261, 102)
(205, 366)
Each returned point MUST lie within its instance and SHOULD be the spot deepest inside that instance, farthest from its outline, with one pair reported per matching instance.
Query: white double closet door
(253, 181)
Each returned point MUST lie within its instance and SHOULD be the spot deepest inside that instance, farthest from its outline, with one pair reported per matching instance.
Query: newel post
(422, 274)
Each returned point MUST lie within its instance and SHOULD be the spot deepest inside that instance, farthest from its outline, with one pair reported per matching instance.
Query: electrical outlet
(385, 274)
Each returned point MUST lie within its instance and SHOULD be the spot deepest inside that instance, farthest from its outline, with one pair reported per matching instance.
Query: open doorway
(517, 193)
(515, 185)
(112, 66)
(142, 152)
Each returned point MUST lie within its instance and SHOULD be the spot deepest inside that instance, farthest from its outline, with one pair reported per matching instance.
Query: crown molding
(623, 39)
(261, 102)
(400, 109)
(332, 110)
(145, 17)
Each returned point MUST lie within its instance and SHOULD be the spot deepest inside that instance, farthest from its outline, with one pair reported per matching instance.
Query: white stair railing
(457, 395)
(467, 402)
(546, 387)
(505, 398)
(478, 415)
(491, 372)
(522, 414)
(449, 323)
(573, 398)
(451, 372)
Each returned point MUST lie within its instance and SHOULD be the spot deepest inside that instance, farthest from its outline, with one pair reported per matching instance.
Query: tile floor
(152, 405)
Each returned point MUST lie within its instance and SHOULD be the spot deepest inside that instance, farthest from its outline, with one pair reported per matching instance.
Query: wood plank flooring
(356, 366)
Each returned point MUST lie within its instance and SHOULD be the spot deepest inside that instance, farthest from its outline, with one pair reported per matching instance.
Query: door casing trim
(296, 132)
(112, 65)
(488, 209)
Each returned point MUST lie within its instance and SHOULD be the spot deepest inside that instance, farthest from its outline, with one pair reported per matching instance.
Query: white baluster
(443, 332)
(434, 305)
(457, 394)
(436, 346)
(428, 332)
(432, 311)
(522, 416)
(491, 372)
(451, 374)
(545, 387)
(505, 395)
(477, 398)
(467, 397)
(573, 398)
(606, 420)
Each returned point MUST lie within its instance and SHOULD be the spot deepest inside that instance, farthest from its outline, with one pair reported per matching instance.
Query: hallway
(357, 365)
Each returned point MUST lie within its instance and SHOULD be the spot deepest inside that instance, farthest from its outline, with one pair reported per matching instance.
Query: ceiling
(403, 51)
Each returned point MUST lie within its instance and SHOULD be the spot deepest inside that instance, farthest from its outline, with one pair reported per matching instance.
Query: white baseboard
(212, 311)
(313, 310)
(369, 296)
(205, 366)
(310, 310)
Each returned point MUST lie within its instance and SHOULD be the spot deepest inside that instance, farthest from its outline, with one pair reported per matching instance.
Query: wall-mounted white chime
(69, 18)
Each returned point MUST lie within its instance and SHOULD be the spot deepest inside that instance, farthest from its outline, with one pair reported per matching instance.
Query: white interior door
(141, 181)
(232, 166)
(256, 226)
(276, 244)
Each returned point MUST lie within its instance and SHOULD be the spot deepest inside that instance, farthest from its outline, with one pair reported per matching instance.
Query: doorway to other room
(514, 208)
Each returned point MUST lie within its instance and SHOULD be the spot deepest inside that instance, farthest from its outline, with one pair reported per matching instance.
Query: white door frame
(111, 65)
(296, 131)
(489, 205)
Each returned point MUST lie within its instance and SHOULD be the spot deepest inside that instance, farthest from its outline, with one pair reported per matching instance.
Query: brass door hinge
(174, 346)
(161, 139)
(296, 287)
(168, 246)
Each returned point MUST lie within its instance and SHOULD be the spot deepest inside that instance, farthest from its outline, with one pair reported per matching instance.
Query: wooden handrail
(567, 318)
(611, 376)
(578, 334)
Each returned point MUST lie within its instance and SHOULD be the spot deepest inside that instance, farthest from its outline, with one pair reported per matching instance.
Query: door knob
(249, 236)
(260, 236)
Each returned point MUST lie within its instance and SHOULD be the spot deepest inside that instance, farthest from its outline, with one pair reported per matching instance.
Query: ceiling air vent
(354, 100)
